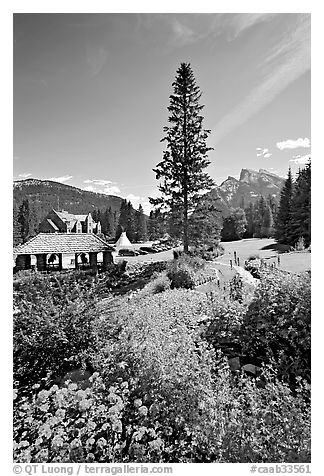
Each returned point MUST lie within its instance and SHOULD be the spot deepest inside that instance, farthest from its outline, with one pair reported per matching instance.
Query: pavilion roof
(63, 243)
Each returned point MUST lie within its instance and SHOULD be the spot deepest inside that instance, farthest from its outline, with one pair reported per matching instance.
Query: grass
(267, 249)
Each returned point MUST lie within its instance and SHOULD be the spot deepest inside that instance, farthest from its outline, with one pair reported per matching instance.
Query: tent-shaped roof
(63, 243)
(123, 241)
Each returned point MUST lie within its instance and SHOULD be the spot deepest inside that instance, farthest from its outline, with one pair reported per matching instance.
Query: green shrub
(189, 271)
(53, 326)
(163, 392)
(253, 257)
(222, 325)
(266, 422)
(253, 266)
(277, 323)
(158, 285)
(300, 245)
(164, 395)
(213, 420)
(181, 275)
(70, 424)
(209, 254)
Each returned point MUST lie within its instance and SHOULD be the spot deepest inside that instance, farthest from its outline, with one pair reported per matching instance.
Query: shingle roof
(63, 243)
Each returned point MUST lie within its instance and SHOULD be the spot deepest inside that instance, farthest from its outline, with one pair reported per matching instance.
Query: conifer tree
(182, 170)
(206, 223)
(234, 225)
(267, 222)
(250, 221)
(17, 232)
(130, 226)
(28, 220)
(108, 223)
(126, 220)
(156, 224)
(141, 226)
(301, 207)
(283, 218)
(123, 215)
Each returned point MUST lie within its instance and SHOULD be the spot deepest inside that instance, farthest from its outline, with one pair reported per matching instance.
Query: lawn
(265, 248)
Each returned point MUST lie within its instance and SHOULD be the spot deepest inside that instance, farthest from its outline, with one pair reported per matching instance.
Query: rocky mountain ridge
(251, 185)
(46, 194)
(233, 192)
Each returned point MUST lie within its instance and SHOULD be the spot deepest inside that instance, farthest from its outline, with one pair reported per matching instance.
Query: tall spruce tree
(301, 207)
(283, 218)
(206, 223)
(234, 225)
(17, 231)
(109, 227)
(250, 221)
(141, 226)
(267, 222)
(27, 220)
(182, 170)
(123, 214)
(156, 224)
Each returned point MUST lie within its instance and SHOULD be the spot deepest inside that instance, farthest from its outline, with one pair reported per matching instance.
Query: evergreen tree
(185, 159)
(28, 220)
(123, 215)
(126, 220)
(267, 222)
(301, 208)
(119, 231)
(98, 216)
(250, 221)
(273, 205)
(206, 223)
(108, 223)
(141, 226)
(234, 225)
(283, 218)
(131, 222)
(17, 231)
(263, 219)
(156, 224)
(94, 215)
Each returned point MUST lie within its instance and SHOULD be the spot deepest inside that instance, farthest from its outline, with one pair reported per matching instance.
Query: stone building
(44, 245)
(65, 222)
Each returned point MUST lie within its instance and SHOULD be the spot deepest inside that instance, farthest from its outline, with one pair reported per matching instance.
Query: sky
(91, 93)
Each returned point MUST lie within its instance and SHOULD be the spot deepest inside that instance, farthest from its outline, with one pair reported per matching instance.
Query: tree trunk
(185, 180)
(185, 218)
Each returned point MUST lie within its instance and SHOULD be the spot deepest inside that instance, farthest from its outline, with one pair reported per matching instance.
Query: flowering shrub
(181, 275)
(70, 424)
(158, 285)
(53, 326)
(277, 323)
(221, 327)
(188, 272)
(162, 391)
(209, 254)
(230, 421)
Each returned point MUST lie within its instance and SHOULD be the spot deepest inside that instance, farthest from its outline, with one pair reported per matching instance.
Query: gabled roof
(63, 243)
(52, 224)
(80, 217)
(64, 215)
